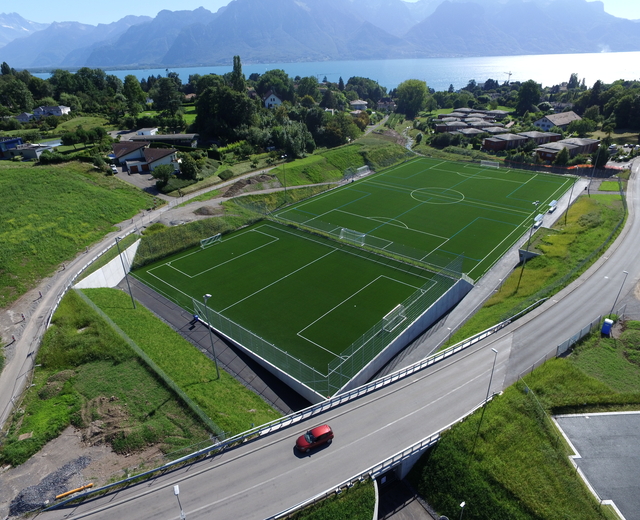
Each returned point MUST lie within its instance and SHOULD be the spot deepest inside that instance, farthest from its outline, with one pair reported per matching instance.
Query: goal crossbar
(351, 236)
(205, 242)
(490, 164)
(393, 318)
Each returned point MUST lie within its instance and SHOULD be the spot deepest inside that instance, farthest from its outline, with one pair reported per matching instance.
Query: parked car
(313, 438)
(114, 169)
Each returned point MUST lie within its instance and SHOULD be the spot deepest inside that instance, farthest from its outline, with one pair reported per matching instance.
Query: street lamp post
(619, 291)
(462, 504)
(284, 176)
(537, 218)
(126, 274)
(593, 170)
(206, 308)
(176, 492)
(484, 407)
(569, 203)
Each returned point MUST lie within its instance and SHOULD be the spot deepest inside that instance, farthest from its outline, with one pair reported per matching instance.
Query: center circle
(433, 195)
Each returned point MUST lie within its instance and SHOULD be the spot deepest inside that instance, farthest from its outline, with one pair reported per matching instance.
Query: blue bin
(606, 327)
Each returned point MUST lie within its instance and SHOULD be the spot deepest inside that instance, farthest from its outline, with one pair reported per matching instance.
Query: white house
(147, 131)
(560, 120)
(60, 110)
(358, 104)
(271, 99)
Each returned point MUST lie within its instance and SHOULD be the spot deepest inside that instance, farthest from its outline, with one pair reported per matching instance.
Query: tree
(238, 82)
(340, 84)
(329, 99)
(189, 167)
(69, 139)
(5, 69)
(573, 81)
(166, 96)
(600, 157)
(278, 81)
(309, 87)
(562, 158)
(162, 174)
(133, 93)
(412, 97)
(528, 96)
(581, 127)
(222, 111)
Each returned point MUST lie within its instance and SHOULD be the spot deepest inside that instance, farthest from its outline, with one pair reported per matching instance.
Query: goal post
(490, 164)
(393, 318)
(205, 242)
(352, 237)
(363, 170)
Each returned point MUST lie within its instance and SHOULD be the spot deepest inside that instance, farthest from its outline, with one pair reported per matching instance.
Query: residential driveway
(607, 453)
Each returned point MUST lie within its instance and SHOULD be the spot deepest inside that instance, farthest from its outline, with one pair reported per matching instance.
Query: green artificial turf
(436, 211)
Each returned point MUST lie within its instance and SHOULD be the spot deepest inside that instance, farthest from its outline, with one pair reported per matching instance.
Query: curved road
(265, 476)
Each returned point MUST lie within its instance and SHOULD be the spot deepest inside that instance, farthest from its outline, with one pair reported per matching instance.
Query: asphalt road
(265, 476)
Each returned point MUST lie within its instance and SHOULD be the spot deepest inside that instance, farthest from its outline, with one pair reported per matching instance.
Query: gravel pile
(49, 487)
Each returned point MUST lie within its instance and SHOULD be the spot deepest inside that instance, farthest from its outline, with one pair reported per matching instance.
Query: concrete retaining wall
(111, 274)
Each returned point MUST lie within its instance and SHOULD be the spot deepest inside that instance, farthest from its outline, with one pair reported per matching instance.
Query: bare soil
(105, 465)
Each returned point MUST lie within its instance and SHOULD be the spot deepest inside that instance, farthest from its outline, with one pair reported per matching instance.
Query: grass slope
(84, 364)
(519, 469)
(50, 213)
(229, 404)
(589, 223)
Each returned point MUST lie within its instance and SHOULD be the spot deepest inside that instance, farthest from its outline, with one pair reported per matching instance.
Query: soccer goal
(393, 318)
(353, 237)
(363, 170)
(490, 164)
(205, 242)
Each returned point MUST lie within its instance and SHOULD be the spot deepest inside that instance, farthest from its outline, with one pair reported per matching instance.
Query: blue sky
(45, 11)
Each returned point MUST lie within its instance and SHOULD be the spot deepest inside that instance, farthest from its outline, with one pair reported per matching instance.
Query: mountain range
(268, 31)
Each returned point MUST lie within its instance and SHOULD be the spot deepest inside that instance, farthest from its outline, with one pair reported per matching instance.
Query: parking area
(607, 453)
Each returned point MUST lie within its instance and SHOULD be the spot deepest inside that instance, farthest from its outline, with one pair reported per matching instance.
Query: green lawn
(86, 122)
(50, 213)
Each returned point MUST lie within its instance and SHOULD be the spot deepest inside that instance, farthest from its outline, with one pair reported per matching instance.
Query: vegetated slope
(89, 377)
(51, 213)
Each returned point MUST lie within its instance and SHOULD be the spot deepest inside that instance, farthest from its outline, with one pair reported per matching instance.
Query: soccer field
(308, 296)
(433, 211)
(317, 306)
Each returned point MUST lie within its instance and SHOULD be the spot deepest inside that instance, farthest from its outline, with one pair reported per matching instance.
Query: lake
(439, 73)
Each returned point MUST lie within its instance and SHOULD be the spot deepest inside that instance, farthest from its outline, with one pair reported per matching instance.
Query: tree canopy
(412, 97)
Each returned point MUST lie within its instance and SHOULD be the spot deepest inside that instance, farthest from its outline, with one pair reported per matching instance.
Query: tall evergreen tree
(238, 82)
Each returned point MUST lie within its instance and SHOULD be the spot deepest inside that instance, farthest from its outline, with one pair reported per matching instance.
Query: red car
(314, 438)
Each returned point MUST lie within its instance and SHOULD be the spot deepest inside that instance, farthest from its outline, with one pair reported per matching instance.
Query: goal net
(205, 242)
(490, 164)
(394, 318)
(363, 170)
(353, 237)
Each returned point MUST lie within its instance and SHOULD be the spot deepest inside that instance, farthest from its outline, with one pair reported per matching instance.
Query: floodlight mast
(213, 351)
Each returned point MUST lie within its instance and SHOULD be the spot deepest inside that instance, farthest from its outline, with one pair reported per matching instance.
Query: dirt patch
(209, 210)
(45, 472)
(104, 418)
(250, 184)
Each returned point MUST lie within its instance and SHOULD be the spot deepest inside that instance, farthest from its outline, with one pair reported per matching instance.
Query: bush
(225, 175)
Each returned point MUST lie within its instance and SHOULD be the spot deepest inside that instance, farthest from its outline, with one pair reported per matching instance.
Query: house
(25, 117)
(469, 132)
(495, 129)
(45, 111)
(503, 142)
(561, 120)
(28, 151)
(450, 126)
(541, 137)
(128, 150)
(271, 99)
(147, 131)
(170, 139)
(358, 104)
(386, 103)
(498, 115)
(9, 143)
(575, 146)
